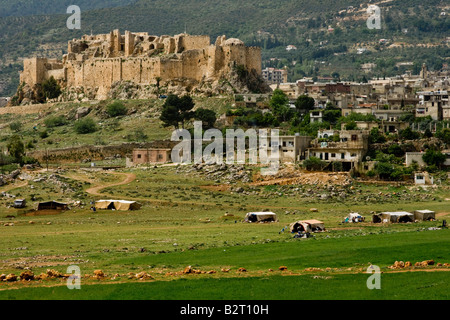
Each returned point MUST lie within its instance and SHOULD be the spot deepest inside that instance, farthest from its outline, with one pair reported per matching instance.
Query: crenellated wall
(98, 61)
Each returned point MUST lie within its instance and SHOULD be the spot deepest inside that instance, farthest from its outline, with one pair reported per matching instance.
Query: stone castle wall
(97, 62)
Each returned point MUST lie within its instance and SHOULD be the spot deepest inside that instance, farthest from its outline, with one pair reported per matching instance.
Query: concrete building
(433, 103)
(350, 150)
(274, 76)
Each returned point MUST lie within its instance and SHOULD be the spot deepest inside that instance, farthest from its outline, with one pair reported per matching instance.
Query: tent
(260, 217)
(307, 226)
(394, 217)
(120, 205)
(424, 215)
(354, 217)
(52, 205)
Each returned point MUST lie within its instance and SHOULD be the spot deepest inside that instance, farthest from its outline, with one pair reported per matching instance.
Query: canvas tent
(394, 217)
(120, 205)
(307, 226)
(52, 205)
(354, 217)
(260, 217)
(424, 215)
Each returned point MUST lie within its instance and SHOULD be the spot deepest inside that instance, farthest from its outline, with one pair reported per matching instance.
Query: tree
(375, 136)
(51, 88)
(351, 125)
(409, 134)
(444, 135)
(207, 116)
(305, 102)
(279, 104)
(434, 158)
(427, 133)
(16, 148)
(314, 163)
(177, 110)
(85, 126)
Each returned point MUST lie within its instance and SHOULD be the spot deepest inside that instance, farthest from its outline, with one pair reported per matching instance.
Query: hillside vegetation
(417, 30)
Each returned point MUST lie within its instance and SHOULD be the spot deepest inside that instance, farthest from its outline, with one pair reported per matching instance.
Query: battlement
(98, 61)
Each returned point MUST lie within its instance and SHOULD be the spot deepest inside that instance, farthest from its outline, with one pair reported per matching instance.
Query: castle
(95, 63)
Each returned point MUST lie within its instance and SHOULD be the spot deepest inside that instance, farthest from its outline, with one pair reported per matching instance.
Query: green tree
(177, 110)
(434, 158)
(207, 116)
(375, 136)
(351, 125)
(305, 102)
(16, 148)
(444, 135)
(409, 134)
(314, 163)
(279, 104)
(51, 88)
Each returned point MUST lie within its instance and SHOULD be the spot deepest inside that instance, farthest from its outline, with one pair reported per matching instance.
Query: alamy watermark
(74, 280)
(374, 21)
(74, 21)
(374, 281)
(261, 148)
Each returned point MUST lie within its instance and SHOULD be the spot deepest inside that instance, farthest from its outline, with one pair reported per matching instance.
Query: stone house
(151, 156)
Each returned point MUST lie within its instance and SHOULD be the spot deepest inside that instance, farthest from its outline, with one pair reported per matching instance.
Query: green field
(182, 223)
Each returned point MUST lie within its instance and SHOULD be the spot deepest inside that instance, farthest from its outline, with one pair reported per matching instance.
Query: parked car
(20, 203)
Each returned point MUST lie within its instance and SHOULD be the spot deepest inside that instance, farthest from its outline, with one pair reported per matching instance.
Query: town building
(275, 76)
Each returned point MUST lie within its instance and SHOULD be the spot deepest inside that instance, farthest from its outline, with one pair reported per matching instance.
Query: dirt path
(129, 177)
(96, 190)
(442, 214)
(13, 186)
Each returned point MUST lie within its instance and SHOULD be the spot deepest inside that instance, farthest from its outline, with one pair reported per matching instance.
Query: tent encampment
(354, 217)
(394, 217)
(261, 217)
(121, 205)
(424, 215)
(307, 226)
(52, 205)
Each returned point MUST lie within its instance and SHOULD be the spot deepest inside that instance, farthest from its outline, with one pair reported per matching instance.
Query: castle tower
(129, 43)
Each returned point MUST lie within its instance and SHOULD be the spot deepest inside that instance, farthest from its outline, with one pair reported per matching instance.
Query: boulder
(27, 275)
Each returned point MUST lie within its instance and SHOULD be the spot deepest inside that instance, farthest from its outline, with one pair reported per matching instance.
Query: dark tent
(52, 205)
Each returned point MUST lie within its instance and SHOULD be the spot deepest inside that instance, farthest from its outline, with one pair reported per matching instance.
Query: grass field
(182, 223)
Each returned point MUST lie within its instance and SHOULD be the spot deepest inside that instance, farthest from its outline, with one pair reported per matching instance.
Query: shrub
(314, 163)
(43, 134)
(116, 109)
(85, 126)
(51, 88)
(53, 122)
(15, 126)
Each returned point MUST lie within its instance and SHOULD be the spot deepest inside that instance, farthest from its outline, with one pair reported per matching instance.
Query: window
(139, 156)
(160, 156)
(354, 137)
(333, 155)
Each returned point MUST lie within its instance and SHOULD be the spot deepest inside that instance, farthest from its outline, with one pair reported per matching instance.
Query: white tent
(121, 205)
(394, 217)
(354, 217)
(261, 217)
(307, 226)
